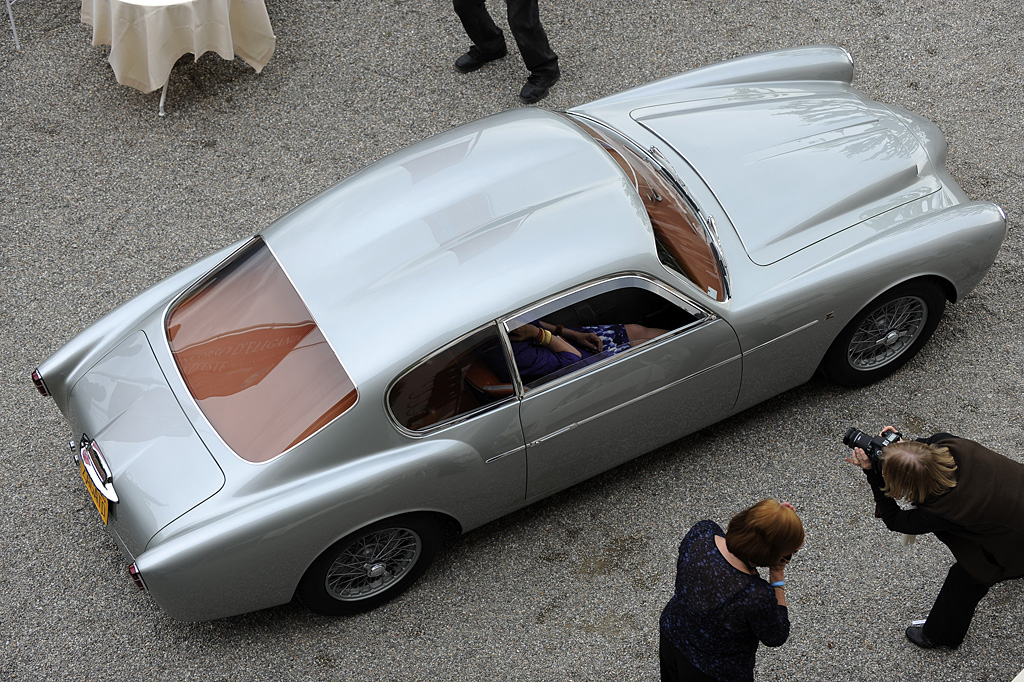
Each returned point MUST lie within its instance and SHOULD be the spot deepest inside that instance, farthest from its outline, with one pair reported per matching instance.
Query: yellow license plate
(102, 503)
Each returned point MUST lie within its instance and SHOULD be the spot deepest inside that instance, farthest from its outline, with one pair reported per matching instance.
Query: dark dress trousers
(523, 19)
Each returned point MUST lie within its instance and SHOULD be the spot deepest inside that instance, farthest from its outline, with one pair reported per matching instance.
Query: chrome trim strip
(706, 218)
(551, 435)
(454, 421)
(95, 465)
(657, 287)
(630, 402)
(659, 390)
(504, 454)
(779, 338)
(457, 419)
(663, 289)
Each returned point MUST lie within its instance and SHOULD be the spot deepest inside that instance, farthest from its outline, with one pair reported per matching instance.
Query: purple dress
(535, 362)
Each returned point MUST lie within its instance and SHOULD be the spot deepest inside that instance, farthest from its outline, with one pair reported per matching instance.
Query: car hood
(159, 466)
(794, 165)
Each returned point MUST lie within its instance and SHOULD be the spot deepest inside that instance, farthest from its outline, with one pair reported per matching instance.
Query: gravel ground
(100, 198)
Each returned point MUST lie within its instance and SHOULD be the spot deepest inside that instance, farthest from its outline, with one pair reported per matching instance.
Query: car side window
(606, 320)
(456, 381)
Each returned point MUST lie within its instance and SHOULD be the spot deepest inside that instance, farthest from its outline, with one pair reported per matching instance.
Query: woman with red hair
(722, 608)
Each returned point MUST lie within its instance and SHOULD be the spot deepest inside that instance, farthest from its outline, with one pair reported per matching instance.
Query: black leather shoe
(915, 633)
(537, 87)
(474, 59)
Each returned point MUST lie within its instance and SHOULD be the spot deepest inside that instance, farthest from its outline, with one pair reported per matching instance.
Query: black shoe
(474, 59)
(915, 633)
(537, 86)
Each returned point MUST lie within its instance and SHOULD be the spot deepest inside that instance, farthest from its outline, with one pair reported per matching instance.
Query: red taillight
(133, 570)
(37, 379)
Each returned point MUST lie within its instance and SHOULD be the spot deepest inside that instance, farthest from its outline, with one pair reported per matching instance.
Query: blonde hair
(765, 533)
(916, 472)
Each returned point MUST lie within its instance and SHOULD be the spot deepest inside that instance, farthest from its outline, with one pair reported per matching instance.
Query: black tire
(371, 566)
(885, 335)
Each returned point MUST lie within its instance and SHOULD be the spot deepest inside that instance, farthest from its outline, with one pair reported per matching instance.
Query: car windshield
(255, 360)
(684, 245)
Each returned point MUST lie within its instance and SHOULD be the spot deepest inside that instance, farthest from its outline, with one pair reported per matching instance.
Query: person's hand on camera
(860, 458)
(888, 429)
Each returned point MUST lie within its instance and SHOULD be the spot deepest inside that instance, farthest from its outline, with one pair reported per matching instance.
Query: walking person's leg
(488, 39)
(540, 60)
(951, 615)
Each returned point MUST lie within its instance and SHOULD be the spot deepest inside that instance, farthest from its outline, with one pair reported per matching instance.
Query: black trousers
(523, 19)
(675, 667)
(953, 610)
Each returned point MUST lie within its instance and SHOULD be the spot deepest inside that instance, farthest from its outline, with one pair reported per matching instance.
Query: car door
(583, 420)
(454, 398)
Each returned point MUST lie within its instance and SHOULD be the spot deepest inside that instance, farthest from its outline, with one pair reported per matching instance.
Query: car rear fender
(71, 361)
(809, 63)
(248, 548)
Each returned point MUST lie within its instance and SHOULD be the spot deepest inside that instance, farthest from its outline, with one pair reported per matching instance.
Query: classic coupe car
(302, 413)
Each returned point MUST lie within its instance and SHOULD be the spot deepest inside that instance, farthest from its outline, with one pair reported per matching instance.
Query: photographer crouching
(970, 497)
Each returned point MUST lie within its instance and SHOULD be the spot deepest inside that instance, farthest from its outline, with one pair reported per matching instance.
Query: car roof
(437, 239)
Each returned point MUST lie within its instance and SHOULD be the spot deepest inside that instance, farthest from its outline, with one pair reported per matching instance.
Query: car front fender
(809, 63)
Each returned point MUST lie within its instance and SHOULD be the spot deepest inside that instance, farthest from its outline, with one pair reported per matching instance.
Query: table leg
(163, 96)
(10, 15)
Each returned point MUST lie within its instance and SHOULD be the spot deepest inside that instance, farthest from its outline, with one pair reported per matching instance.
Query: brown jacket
(987, 508)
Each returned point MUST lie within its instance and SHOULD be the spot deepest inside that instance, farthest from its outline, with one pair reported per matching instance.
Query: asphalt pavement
(100, 197)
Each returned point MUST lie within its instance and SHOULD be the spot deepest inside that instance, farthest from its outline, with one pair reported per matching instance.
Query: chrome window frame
(574, 295)
(660, 164)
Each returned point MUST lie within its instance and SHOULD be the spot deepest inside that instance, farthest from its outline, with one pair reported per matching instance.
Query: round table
(147, 37)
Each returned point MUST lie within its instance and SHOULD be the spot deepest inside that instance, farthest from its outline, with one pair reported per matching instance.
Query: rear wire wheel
(885, 335)
(371, 566)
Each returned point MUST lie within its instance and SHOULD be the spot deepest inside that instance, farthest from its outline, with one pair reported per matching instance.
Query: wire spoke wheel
(371, 566)
(887, 333)
(373, 563)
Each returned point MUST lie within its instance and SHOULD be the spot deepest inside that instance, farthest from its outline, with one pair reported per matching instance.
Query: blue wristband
(779, 583)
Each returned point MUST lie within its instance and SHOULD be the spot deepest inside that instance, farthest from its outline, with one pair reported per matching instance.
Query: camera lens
(856, 438)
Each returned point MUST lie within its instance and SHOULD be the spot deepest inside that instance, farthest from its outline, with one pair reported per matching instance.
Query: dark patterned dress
(718, 613)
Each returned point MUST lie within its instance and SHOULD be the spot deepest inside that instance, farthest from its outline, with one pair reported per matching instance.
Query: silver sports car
(501, 311)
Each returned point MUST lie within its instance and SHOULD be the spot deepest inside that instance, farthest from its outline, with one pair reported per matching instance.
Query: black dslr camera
(872, 445)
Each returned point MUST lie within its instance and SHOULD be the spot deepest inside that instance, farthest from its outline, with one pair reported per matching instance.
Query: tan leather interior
(482, 378)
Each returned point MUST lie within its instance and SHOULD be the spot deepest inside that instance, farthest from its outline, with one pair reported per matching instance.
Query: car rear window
(255, 360)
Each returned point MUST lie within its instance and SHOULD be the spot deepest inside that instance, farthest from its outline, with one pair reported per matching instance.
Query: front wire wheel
(885, 335)
(370, 566)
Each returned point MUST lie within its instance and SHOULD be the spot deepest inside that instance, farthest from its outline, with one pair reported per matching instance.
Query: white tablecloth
(146, 37)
